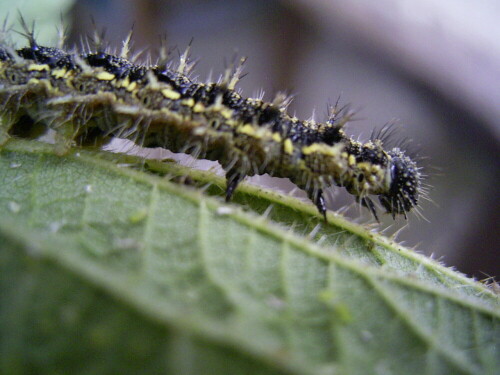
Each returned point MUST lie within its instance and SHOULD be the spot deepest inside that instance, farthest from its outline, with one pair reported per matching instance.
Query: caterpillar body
(92, 96)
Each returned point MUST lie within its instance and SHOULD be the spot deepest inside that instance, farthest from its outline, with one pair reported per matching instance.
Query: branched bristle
(5, 30)
(164, 53)
(237, 74)
(82, 64)
(97, 37)
(126, 44)
(385, 134)
(339, 116)
(137, 55)
(184, 64)
(27, 33)
(282, 100)
(61, 33)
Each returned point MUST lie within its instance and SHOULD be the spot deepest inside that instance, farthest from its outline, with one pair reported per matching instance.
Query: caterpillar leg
(316, 195)
(232, 180)
(367, 202)
(64, 138)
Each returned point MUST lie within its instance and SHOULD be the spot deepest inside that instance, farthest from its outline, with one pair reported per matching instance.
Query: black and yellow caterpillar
(92, 96)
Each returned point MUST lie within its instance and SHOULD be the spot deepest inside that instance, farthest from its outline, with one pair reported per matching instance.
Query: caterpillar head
(404, 186)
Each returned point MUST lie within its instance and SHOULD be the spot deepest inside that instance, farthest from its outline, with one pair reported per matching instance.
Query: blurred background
(433, 67)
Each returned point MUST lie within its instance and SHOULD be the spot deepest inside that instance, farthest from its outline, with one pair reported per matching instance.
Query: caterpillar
(92, 95)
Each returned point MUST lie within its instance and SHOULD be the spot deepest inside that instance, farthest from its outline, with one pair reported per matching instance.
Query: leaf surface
(106, 266)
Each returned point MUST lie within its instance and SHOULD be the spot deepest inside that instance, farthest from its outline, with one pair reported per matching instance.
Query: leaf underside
(107, 268)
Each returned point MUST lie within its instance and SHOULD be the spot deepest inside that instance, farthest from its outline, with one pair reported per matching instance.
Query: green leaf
(46, 14)
(107, 266)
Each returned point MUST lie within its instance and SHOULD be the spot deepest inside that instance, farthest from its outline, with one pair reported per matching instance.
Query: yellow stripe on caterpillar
(321, 148)
(198, 107)
(58, 73)
(132, 86)
(170, 94)
(105, 76)
(38, 67)
(188, 102)
(288, 146)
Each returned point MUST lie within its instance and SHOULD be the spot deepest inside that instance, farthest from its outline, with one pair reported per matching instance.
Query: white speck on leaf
(224, 210)
(14, 207)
